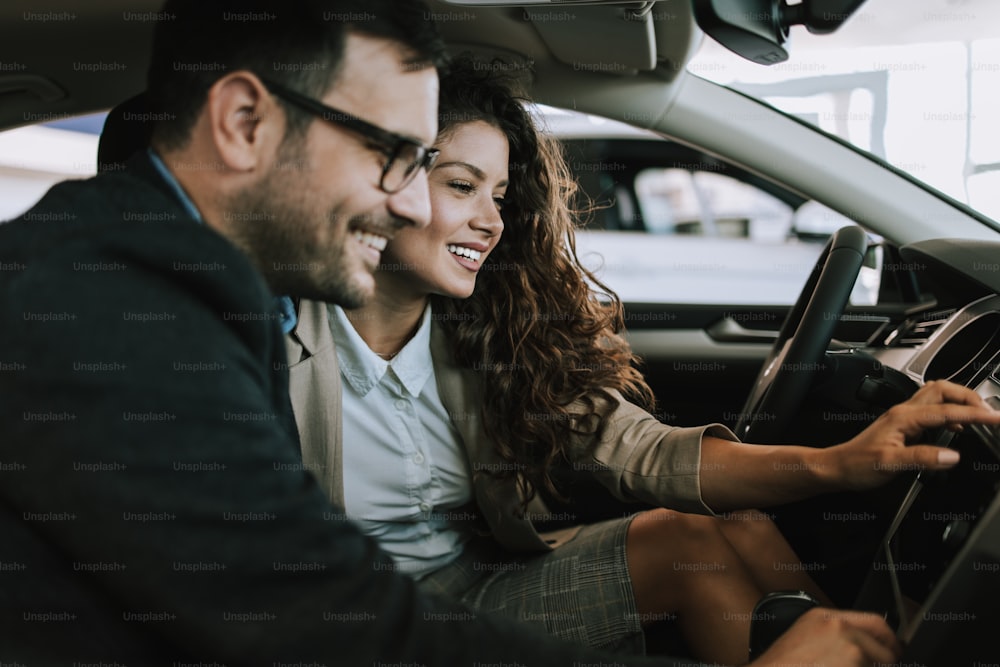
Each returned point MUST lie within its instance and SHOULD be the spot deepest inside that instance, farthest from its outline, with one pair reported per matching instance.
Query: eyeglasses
(405, 156)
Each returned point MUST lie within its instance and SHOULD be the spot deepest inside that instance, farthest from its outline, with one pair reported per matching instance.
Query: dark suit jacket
(153, 504)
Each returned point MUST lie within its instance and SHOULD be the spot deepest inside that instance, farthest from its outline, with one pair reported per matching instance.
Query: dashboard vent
(915, 331)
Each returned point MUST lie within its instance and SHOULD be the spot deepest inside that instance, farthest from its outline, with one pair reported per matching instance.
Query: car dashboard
(936, 573)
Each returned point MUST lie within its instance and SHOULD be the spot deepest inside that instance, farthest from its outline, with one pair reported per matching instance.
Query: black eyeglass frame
(394, 143)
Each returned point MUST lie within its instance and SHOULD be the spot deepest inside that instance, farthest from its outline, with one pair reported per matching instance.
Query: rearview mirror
(758, 29)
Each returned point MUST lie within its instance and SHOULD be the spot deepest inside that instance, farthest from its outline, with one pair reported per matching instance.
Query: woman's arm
(736, 475)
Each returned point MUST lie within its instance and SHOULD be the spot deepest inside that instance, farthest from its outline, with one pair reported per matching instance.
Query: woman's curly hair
(541, 330)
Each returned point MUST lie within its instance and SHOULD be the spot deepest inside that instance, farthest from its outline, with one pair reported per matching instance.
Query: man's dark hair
(298, 43)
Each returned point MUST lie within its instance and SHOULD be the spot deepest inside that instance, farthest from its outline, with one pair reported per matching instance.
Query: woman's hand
(737, 476)
(895, 442)
(833, 639)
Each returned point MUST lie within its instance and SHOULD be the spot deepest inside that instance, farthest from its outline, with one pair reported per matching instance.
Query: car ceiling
(42, 77)
(48, 81)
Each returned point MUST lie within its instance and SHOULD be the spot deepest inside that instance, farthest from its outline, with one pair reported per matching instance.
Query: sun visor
(597, 38)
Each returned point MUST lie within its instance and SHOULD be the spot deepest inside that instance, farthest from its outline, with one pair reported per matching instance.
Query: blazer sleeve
(638, 458)
(148, 422)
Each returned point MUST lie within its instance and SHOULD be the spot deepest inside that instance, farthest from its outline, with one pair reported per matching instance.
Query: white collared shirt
(403, 463)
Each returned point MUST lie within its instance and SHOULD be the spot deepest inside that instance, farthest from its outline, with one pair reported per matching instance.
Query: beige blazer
(638, 459)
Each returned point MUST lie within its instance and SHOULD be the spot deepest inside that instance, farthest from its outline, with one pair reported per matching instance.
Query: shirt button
(400, 404)
(425, 507)
(418, 458)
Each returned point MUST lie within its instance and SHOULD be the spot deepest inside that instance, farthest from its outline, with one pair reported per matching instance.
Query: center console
(936, 575)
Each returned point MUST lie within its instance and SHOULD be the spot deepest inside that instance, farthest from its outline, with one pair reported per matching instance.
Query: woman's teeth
(467, 253)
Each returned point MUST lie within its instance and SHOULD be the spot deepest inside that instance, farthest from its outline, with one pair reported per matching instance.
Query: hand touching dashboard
(936, 575)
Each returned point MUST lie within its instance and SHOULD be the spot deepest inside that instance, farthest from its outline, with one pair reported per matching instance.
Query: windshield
(915, 82)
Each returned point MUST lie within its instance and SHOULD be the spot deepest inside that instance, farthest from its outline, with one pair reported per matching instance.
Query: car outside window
(702, 203)
(673, 225)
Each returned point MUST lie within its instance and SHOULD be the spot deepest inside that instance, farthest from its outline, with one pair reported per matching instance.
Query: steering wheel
(801, 345)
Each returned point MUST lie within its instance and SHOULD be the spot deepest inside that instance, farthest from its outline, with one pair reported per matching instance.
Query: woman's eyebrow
(476, 171)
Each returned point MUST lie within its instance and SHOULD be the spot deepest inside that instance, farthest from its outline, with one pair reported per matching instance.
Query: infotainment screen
(936, 576)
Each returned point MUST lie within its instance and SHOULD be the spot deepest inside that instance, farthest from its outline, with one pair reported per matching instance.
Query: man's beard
(276, 226)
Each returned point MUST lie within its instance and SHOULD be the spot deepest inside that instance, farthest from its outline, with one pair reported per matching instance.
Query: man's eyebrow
(399, 135)
(413, 139)
(476, 171)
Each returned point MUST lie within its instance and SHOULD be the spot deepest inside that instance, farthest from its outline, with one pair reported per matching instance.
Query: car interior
(924, 550)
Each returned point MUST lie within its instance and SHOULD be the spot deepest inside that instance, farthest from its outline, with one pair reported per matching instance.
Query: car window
(36, 157)
(919, 89)
(670, 224)
(702, 203)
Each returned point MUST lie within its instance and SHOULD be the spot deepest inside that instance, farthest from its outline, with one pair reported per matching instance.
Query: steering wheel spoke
(804, 338)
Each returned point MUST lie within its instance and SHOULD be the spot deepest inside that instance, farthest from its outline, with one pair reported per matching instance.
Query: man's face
(321, 219)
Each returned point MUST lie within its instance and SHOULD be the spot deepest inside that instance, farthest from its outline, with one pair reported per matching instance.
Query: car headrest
(126, 131)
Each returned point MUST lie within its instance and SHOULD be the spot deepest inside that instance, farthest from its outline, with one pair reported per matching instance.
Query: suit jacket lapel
(314, 386)
(461, 397)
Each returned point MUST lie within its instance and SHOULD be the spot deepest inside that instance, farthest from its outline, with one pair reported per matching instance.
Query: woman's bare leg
(770, 559)
(683, 564)
(710, 572)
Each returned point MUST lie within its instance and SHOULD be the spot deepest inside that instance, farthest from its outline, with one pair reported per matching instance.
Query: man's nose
(412, 204)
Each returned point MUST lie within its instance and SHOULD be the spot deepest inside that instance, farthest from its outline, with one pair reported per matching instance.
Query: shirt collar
(175, 186)
(363, 369)
(283, 304)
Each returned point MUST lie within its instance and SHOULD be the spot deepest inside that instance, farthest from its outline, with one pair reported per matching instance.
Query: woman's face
(467, 188)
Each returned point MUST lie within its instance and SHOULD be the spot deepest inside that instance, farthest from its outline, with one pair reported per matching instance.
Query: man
(153, 504)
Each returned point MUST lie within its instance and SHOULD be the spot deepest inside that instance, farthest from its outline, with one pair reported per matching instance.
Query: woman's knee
(676, 533)
(748, 525)
(677, 561)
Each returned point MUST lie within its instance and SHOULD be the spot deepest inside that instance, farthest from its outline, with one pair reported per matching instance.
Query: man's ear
(245, 121)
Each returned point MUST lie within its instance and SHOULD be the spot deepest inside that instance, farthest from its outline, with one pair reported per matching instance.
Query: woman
(486, 359)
